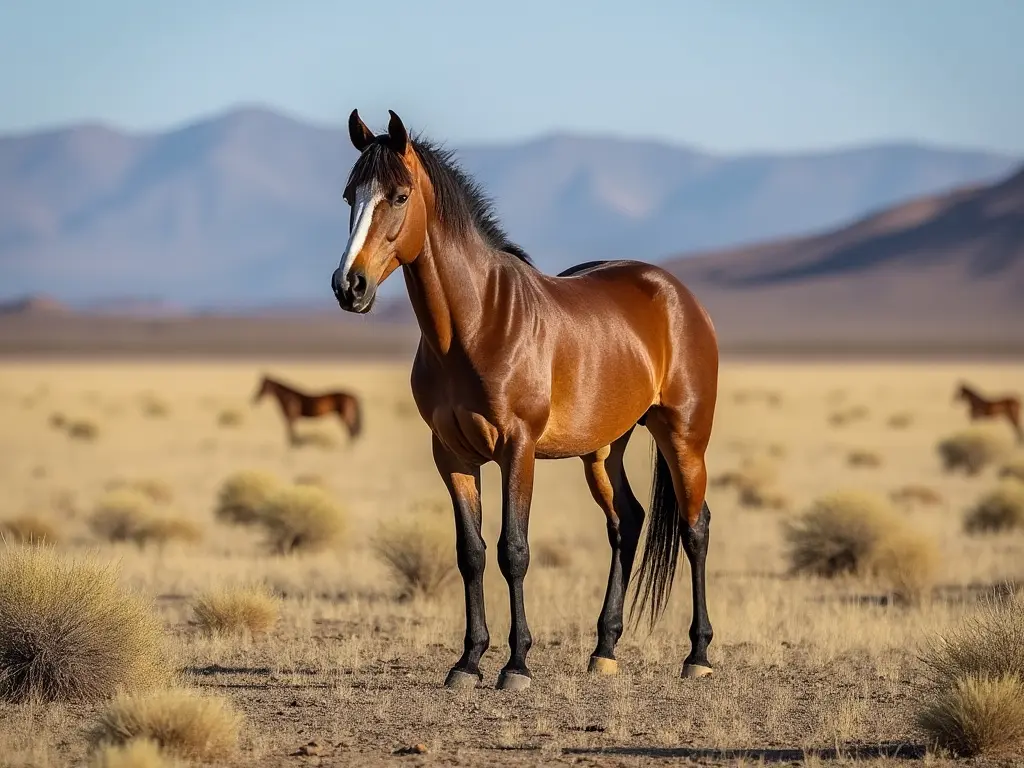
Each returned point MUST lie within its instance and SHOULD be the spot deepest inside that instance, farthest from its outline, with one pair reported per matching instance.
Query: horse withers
(514, 365)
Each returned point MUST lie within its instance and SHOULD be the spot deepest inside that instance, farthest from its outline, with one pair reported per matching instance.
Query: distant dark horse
(983, 408)
(514, 365)
(295, 405)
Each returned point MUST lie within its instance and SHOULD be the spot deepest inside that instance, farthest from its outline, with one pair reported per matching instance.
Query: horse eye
(401, 199)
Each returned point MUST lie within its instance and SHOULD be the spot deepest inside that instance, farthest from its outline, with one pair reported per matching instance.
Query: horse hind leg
(606, 478)
(680, 454)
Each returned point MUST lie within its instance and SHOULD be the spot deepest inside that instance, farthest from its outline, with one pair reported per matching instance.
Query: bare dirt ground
(807, 671)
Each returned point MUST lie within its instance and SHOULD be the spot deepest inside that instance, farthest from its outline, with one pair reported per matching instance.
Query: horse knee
(513, 558)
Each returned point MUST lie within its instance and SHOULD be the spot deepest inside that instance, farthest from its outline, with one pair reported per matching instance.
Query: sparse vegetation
(243, 496)
(846, 416)
(999, 510)
(83, 429)
(166, 530)
(69, 632)
(900, 420)
(419, 552)
(121, 515)
(153, 407)
(237, 611)
(154, 489)
(754, 483)
(974, 700)
(180, 722)
(58, 420)
(1013, 469)
(551, 554)
(916, 494)
(137, 753)
(971, 450)
(230, 417)
(28, 529)
(863, 458)
(302, 518)
(856, 533)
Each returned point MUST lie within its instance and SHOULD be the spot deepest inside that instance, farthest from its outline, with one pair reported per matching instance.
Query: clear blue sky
(729, 75)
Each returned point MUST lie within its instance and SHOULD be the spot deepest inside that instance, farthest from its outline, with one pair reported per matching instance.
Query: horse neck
(447, 286)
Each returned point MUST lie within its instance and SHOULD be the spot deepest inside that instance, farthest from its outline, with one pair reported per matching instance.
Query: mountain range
(245, 208)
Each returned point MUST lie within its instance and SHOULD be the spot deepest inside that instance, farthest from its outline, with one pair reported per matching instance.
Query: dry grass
(156, 490)
(121, 515)
(229, 418)
(916, 494)
(167, 530)
(419, 552)
(237, 611)
(83, 429)
(857, 533)
(28, 529)
(864, 458)
(999, 510)
(180, 722)
(901, 420)
(755, 485)
(154, 408)
(849, 415)
(302, 518)
(137, 753)
(1013, 469)
(971, 450)
(70, 632)
(243, 495)
(547, 553)
(975, 699)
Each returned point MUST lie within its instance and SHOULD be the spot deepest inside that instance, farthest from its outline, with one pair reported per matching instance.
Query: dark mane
(462, 205)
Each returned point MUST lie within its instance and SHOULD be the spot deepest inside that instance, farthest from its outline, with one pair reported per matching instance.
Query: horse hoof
(459, 679)
(512, 681)
(602, 666)
(696, 670)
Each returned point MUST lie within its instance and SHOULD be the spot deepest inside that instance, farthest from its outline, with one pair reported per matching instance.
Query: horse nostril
(336, 283)
(357, 285)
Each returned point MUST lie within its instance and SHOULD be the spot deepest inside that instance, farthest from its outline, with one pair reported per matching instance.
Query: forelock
(379, 165)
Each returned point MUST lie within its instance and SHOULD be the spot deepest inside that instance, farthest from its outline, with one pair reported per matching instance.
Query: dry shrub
(848, 416)
(551, 554)
(230, 417)
(971, 450)
(754, 482)
(852, 532)
(237, 611)
(154, 489)
(243, 495)
(977, 716)
(310, 479)
(58, 420)
(137, 753)
(915, 494)
(166, 530)
(302, 518)
(974, 701)
(83, 429)
(999, 510)
(419, 552)
(154, 408)
(28, 529)
(864, 459)
(70, 632)
(181, 723)
(121, 515)
(1013, 469)
(756, 496)
(900, 420)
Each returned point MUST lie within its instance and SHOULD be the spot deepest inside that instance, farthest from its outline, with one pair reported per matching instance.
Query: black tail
(661, 549)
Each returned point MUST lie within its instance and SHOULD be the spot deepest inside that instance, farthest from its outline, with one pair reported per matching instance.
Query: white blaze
(367, 197)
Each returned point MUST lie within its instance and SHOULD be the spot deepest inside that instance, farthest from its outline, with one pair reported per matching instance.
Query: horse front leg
(517, 466)
(463, 484)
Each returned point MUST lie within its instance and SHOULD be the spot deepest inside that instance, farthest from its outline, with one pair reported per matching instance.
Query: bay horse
(514, 365)
(1007, 406)
(295, 405)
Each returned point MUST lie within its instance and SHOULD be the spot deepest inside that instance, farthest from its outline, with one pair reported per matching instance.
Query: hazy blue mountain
(246, 207)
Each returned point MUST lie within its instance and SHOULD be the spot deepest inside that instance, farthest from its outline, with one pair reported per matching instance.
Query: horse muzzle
(353, 291)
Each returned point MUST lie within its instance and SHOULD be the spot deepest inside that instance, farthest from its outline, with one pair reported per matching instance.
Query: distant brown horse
(514, 365)
(295, 405)
(1007, 406)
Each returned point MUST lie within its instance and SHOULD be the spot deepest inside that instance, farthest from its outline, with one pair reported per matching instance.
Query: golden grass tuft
(977, 716)
(83, 429)
(419, 552)
(302, 518)
(974, 704)
(1013, 469)
(28, 529)
(69, 632)
(154, 408)
(999, 510)
(58, 420)
(243, 495)
(237, 611)
(230, 417)
(754, 482)
(862, 458)
(900, 420)
(121, 515)
(180, 722)
(857, 533)
(166, 530)
(154, 489)
(137, 753)
(915, 494)
(849, 415)
(971, 450)
(551, 554)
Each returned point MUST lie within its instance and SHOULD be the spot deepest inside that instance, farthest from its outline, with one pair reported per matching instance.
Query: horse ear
(361, 136)
(398, 138)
